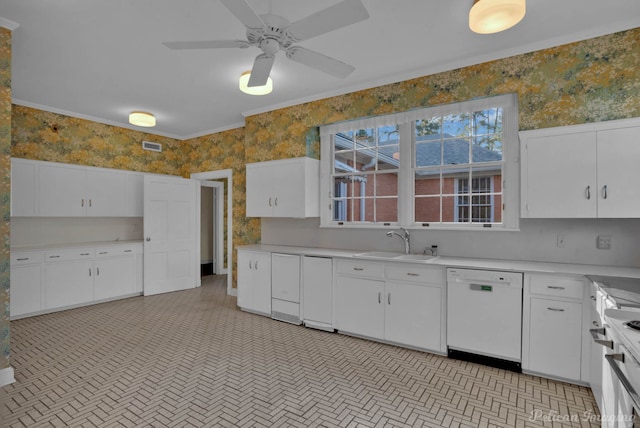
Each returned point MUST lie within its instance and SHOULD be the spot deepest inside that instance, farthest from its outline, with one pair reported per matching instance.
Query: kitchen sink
(417, 257)
(386, 255)
(389, 255)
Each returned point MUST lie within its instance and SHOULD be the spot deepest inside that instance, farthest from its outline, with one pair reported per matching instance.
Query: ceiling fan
(272, 33)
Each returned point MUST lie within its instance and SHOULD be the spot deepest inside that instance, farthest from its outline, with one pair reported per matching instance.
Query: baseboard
(6, 376)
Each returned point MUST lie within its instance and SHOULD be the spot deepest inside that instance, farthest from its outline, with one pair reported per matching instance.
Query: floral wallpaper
(5, 190)
(588, 81)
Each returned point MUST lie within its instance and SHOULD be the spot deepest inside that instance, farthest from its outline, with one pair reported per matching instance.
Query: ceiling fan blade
(337, 16)
(261, 70)
(244, 12)
(320, 62)
(207, 44)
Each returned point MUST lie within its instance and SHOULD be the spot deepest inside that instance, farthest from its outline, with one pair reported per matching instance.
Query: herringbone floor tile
(192, 359)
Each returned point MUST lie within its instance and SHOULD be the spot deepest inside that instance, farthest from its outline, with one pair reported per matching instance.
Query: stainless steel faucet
(405, 237)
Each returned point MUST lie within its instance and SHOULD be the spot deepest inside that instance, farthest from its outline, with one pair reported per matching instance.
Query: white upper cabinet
(48, 189)
(284, 188)
(582, 171)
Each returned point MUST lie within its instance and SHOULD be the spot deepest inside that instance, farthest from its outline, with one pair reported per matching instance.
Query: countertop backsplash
(26, 231)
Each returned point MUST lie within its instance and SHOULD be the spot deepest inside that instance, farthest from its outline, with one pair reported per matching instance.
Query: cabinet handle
(594, 334)
(89, 271)
(85, 254)
(127, 251)
(556, 309)
(269, 201)
(595, 324)
(256, 265)
(413, 274)
(593, 298)
(389, 298)
(89, 203)
(624, 381)
(97, 271)
(250, 265)
(103, 252)
(588, 192)
(604, 192)
(379, 297)
(555, 287)
(54, 257)
(22, 259)
(358, 268)
(276, 202)
(82, 203)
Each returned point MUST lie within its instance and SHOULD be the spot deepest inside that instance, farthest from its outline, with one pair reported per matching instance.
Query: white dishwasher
(484, 317)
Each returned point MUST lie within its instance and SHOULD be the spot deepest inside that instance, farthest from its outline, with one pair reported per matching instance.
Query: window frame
(406, 192)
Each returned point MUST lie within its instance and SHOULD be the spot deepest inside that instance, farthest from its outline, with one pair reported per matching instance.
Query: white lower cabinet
(317, 292)
(26, 283)
(68, 283)
(398, 302)
(553, 339)
(254, 281)
(45, 281)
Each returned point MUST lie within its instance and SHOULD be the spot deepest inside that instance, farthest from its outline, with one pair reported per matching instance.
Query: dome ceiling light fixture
(254, 90)
(142, 118)
(493, 16)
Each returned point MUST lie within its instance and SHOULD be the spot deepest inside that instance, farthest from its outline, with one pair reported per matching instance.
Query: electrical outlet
(603, 242)
(562, 241)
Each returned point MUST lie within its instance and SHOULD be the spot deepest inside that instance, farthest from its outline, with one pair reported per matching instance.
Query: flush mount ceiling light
(493, 16)
(141, 118)
(254, 90)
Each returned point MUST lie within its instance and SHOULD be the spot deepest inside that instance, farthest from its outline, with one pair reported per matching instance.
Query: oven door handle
(612, 358)
(601, 331)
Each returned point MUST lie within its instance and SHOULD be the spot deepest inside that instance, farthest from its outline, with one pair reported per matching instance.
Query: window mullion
(405, 175)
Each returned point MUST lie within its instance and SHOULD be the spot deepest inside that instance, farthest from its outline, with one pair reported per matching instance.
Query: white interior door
(170, 243)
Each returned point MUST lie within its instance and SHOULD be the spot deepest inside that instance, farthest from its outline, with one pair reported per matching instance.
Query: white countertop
(74, 245)
(463, 262)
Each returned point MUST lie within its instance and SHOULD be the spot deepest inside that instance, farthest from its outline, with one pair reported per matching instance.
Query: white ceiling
(101, 59)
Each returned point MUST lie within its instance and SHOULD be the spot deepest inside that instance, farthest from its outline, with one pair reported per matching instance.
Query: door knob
(148, 239)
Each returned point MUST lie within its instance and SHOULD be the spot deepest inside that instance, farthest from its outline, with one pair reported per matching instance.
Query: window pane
(388, 135)
(364, 137)
(487, 121)
(386, 184)
(450, 212)
(487, 148)
(428, 153)
(386, 209)
(388, 157)
(427, 209)
(456, 151)
(427, 127)
(456, 125)
(427, 183)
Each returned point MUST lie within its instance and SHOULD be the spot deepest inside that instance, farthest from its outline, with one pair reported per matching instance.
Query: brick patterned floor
(192, 359)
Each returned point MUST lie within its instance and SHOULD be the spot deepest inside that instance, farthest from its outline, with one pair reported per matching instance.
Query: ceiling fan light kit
(493, 16)
(272, 33)
(142, 118)
(254, 90)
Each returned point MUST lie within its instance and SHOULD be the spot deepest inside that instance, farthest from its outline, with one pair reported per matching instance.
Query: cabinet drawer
(559, 286)
(412, 272)
(116, 250)
(71, 254)
(26, 258)
(360, 268)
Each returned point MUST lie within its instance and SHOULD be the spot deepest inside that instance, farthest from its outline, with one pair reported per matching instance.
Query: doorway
(222, 183)
(212, 228)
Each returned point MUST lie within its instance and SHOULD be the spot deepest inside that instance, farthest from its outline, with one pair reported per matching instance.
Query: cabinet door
(23, 188)
(555, 338)
(316, 289)
(262, 283)
(245, 279)
(618, 173)
(135, 195)
(62, 191)
(106, 193)
(413, 314)
(115, 277)
(26, 289)
(68, 283)
(560, 178)
(260, 191)
(359, 306)
(288, 190)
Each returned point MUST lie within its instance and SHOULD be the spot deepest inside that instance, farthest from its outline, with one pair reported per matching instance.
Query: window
(439, 167)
